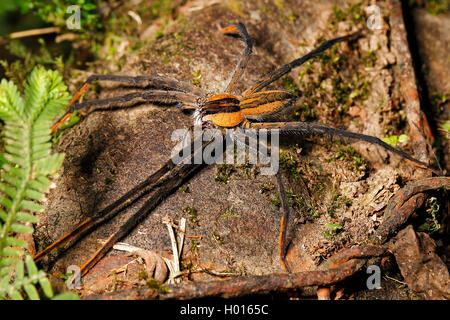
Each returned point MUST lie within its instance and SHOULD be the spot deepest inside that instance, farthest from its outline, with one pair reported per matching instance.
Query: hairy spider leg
(278, 73)
(169, 175)
(239, 30)
(306, 128)
(67, 114)
(282, 246)
(154, 82)
(168, 183)
(107, 213)
(130, 100)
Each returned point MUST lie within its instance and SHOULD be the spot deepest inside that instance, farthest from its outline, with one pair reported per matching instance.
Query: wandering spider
(222, 111)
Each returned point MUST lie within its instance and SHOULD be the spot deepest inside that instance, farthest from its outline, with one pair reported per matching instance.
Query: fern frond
(12, 287)
(27, 164)
(11, 103)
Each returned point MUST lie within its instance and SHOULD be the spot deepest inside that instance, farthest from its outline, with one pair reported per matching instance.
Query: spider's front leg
(156, 90)
(239, 30)
(281, 71)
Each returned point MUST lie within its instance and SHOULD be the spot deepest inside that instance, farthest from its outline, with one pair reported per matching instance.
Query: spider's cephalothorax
(222, 111)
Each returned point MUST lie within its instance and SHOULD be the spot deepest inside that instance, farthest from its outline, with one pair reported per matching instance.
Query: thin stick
(34, 32)
(175, 249)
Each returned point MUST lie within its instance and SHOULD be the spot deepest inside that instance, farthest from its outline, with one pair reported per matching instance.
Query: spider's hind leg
(283, 244)
(307, 128)
(254, 146)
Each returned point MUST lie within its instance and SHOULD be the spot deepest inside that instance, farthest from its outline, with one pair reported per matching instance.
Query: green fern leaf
(27, 163)
(20, 228)
(26, 217)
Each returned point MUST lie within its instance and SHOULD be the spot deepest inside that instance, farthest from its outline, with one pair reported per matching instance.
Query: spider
(222, 111)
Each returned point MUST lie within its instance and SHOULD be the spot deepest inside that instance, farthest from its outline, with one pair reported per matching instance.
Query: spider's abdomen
(261, 105)
(222, 110)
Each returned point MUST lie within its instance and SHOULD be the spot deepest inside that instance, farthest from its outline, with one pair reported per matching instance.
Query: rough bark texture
(422, 269)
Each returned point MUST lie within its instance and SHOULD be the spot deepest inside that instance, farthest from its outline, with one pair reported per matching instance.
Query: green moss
(196, 76)
(319, 188)
(347, 153)
(229, 213)
(170, 46)
(299, 203)
(438, 99)
(143, 275)
(305, 112)
(223, 172)
(192, 214)
(353, 13)
(154, 284)
(289, 165)
(331, 230)
(296, 202)
(431, 223)
(434, 7)
(159, 8)
(276, 200)
(356, 13)
(26, 59)
(195, 244)
(246, 170)
(338, 202)
(73, 120)
(235, 7)
(184, 189)
(339, 15)
(333, 226)
(369, 59)
(331, 82)
(108, 180)
(307, 69)
(286, 13)
(327, 234)
(266, 187)
(215, 237)
(290, 85)
(292, 16)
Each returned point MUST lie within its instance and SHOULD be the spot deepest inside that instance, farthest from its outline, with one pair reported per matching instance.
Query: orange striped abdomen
(260, 105)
